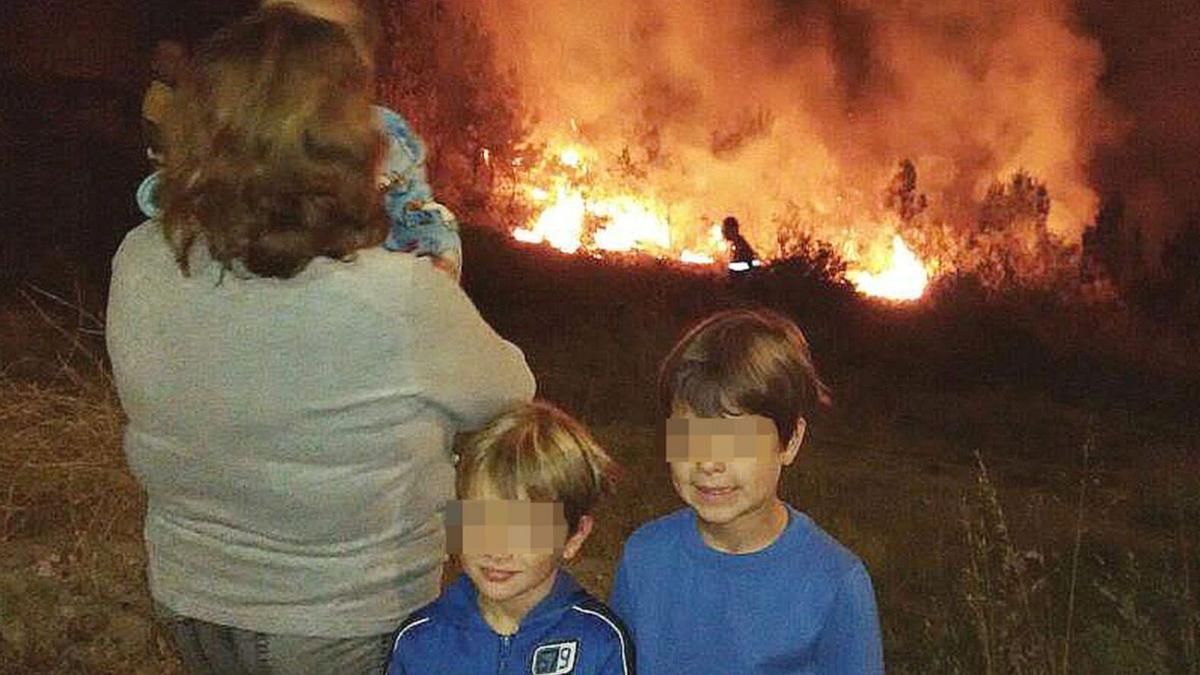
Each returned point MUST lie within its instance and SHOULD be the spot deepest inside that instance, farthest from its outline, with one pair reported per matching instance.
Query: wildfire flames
(902, 277)
(574, 214)
(658, 118)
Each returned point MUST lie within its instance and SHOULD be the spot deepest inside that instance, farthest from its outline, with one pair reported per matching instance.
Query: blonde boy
(527, 485)
(740, 581)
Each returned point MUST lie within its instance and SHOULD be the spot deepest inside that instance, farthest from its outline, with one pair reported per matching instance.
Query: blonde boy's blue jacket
(568, 633)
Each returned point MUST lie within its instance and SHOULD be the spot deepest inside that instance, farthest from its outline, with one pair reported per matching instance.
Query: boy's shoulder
(663, 536)
(600, 619)
(662, 531)
(452, 606)
(824, 547)
(571, 605)
(420, 640)
(601, 637)
(573, 625)
(410, 628)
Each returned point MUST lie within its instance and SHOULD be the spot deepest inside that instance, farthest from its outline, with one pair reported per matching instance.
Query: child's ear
(793, 446)
(575, 541)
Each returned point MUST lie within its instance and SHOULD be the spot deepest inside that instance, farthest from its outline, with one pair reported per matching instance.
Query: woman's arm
(464, 366)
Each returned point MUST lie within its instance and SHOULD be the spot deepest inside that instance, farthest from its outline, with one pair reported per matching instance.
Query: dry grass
(964, 587)
(72, 588)
(71, 559)
(890, 473)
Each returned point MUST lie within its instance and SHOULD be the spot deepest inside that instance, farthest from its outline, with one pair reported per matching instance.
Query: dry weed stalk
(1088, 446)
(1003, 593)
(10, 509)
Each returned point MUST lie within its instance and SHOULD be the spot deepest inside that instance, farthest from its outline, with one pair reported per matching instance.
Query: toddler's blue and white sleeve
(419, 224)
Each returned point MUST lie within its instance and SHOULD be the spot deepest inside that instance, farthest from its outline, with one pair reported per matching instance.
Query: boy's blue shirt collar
(784, 545)
(459, 604)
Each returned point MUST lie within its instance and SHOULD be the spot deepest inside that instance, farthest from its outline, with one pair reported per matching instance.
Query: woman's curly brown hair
(272, 148)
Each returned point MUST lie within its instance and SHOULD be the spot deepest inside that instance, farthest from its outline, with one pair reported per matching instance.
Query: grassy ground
(1021, 483)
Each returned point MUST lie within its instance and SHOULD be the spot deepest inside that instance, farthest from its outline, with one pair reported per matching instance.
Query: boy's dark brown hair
(743, 362)
(272, 149)
(543, 451)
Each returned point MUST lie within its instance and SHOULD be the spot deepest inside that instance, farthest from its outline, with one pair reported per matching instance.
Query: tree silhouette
(1181, 274)
(901, 195)
(437, 69)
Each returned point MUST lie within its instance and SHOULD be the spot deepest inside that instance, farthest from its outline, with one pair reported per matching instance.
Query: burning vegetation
(575, 211)
(638, 126)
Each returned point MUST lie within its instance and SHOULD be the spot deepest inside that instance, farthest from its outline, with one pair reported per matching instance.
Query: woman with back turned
(292, 388)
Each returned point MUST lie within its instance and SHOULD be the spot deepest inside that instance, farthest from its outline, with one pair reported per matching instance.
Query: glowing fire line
(627, 222)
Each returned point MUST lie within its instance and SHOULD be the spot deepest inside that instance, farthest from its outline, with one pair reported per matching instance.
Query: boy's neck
(505, 616)
(749, 533)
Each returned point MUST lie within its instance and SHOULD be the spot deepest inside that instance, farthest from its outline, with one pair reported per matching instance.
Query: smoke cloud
(1152, 51)
(757, 107)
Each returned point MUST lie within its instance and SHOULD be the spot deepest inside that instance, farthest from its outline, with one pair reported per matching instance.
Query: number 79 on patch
(555, 659)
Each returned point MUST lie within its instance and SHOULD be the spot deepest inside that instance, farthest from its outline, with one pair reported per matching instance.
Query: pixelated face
(510, 548)
(727, 469)
(500, 526)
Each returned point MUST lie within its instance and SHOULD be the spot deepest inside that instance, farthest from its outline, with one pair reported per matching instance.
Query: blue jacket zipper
(505, 644)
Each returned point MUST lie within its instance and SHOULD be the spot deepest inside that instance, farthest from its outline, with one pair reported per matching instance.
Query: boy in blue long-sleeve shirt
(740, 581)
(527, 484)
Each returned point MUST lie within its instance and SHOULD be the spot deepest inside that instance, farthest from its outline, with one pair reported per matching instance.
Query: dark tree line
(1167, 285)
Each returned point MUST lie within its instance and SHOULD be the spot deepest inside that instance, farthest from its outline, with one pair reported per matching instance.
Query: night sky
(1152, 52)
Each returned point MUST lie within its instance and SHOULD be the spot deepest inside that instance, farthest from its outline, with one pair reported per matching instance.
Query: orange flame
(902, 278)
(575, 213)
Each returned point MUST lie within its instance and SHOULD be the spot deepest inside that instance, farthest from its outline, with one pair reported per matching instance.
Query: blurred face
(511, 549)
(727, 469)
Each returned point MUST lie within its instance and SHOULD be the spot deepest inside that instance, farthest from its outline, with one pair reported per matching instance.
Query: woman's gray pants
(213, 649)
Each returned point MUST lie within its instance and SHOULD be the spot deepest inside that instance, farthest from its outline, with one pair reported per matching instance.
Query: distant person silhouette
(742, 258)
